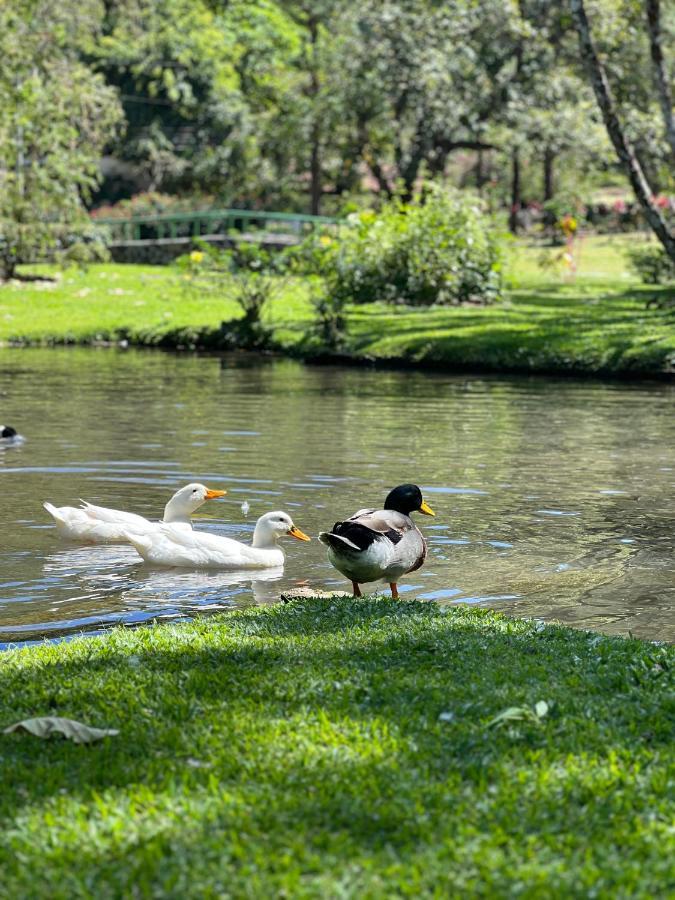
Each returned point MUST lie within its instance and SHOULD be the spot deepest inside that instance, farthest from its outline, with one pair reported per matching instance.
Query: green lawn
(341, 748)
(596, 322)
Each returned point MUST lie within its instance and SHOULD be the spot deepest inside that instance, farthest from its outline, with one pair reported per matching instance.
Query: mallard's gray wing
(384, 520)
(363, 529)
(361, 512)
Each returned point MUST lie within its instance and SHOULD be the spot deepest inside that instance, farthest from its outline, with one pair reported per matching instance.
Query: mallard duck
(100, 525)
(169, 546)
(9, 436)
(379, 544)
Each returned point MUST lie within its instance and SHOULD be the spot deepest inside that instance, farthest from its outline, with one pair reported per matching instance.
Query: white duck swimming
(100, 525)
(169, 546)
(379, 544)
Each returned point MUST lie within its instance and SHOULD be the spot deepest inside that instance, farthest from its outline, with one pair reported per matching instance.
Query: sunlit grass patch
(595, 322)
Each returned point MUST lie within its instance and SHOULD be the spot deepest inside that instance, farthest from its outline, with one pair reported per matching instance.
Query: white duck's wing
(170, 546)
(216, 550)
(115, 516)
(77, 525)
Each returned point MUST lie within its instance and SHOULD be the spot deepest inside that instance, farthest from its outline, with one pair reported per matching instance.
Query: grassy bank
(596, 323)
(341, 749)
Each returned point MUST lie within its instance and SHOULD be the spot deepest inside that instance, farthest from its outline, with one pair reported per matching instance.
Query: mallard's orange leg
(394, 590)
(357, 589)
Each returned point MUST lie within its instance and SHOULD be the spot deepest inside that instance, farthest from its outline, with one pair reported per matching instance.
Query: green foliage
(249, 256)
(341, 748)
(57, 117)
(330, 308)
(153, 203)
(594, 323)
(174, 64)
(441, 250)
(651, 263)
(246, 274)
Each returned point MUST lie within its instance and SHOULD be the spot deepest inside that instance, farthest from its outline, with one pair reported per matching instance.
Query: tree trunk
(315, 136)
(515, 153)
(7, 268)
(660, 70)
(549, 188)
(622, 145)
(315, 171)
(480, 170)
(515, 191)
(409, 171)
(380, 175)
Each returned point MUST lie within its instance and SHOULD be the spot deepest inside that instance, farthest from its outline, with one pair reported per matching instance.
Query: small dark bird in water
(6, 431)
(379, 544)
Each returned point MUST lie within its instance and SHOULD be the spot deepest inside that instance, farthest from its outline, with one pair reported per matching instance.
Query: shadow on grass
(323, 732)
(403, 663)
(500, 328)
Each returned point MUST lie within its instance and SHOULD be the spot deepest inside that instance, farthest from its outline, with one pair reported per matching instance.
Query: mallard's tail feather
(337, 542)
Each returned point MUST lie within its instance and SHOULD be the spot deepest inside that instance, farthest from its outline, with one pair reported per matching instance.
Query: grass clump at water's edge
(341, 748)
(598, 323)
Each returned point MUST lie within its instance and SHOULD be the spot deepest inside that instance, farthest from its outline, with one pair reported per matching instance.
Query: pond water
(554, 498)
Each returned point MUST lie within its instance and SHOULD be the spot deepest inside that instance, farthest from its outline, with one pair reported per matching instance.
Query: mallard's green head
(407, 498)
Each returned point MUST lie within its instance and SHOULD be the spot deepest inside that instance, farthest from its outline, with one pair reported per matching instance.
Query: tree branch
(621, 143)
(449, 146)
(660, 69)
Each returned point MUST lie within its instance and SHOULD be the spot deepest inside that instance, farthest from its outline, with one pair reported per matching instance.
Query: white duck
(170, 546)
(100, 525)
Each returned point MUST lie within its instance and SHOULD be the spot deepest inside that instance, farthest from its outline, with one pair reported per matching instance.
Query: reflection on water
(553, 498)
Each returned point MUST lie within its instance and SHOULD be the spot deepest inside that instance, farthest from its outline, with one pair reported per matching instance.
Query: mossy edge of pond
(340, 747)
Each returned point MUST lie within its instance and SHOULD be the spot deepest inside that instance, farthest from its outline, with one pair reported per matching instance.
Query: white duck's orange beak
(300, 535)
(212, 495)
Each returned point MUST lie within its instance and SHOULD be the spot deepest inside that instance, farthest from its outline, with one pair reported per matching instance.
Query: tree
(57, 117)
(653, 8)
(623, 146)
(423, 79)
(174, 64)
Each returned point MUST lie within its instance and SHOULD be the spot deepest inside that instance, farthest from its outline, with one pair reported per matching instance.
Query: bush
(442, 250)
(152, 203)
(652, 264)
(247, 274)
(331, 321)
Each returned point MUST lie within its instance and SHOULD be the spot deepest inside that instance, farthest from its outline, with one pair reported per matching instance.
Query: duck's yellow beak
(211, 495)
(426, 509)
(300, 535)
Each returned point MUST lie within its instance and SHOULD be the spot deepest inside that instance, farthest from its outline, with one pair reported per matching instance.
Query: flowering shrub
(151, 203)
(442, 250)
(246, 273)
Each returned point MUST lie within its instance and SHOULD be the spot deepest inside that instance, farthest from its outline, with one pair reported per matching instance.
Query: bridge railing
(212, 221)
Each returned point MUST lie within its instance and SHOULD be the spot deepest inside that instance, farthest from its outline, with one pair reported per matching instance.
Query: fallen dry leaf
(77, 732)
